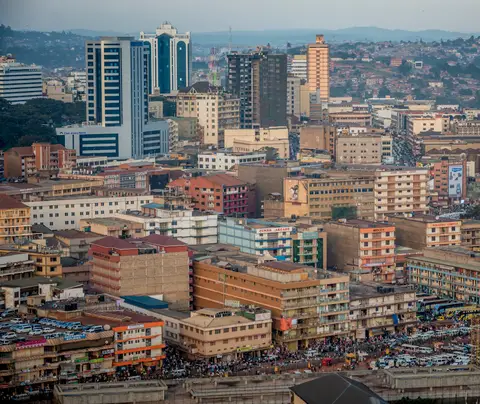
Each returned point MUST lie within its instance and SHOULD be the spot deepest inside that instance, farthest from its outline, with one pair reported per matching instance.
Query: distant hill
(301, 36)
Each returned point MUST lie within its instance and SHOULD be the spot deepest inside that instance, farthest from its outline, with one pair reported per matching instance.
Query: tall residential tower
(170, 59)
(117, 103)
(318, 73)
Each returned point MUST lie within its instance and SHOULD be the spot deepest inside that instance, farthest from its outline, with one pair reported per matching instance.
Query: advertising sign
(455, 181)
(296, 191)
(31, 344)
(74, 337)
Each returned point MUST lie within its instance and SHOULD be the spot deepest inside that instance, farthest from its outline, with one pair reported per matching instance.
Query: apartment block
(356, 118)
(226, 161)
(364, 249)
(299, 66)
(363, 149)
(450, 178)
(318, 68)
(447, 272)
(251, 140)
(375, 310)
(421, 231)
(225, 333)
(38, 158)
(471, 234)
(294, 96)
(15, 265)
(220, 193)
(306, 305)
(66, 213)
(214, 110)
(15, 222)
(467, 128)
(139, 344)
(153, 265)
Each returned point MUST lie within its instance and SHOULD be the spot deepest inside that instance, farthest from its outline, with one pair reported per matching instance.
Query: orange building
(365, 249)
(318, 73)
(139, 344)
(30, 160)
(14, 220)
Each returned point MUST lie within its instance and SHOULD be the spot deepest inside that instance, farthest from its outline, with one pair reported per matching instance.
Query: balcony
(299, 304)
(299, 293)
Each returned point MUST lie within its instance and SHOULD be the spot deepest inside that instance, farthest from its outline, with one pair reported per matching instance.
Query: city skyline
(129, 16)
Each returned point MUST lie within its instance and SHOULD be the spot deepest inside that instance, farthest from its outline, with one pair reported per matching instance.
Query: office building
(318, 68)
(294, 95)
(319, 137)
(220, 193)
(446, 272)
(118, 125)
(38, 158)
(153, 265)
(65, 213)
(471, 234)
(222, 333)
(215, 110)
(252, 140)
(170, 59)
(421, 231)
(226, 160)
(299, 67)
(449, 178)
(306, 305)
(19, 82)
(375, 310)
(354, 118)
(364, 149)
(259, 80)
(364, 249)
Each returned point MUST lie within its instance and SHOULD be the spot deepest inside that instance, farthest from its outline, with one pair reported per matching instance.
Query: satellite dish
(107, 327)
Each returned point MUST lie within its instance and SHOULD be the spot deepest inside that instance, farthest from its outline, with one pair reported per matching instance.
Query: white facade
(226, 161)
(66, 213)
(299, 66)
(184, 225)
(169, 52)
(20, 83)
(293, 96)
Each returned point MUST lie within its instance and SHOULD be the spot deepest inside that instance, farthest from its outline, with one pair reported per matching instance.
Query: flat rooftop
(363, 224)
(76, 234)
(367, 290)
(420, 217)
(110, 221)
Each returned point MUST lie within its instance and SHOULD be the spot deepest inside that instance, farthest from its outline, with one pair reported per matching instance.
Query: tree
(383, 92)
(405, 68)
(271, 153)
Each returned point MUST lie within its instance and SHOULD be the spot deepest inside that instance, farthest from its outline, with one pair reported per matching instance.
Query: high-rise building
(170, 59)
(118, 125)
(318, 65)
(259, 79)
(299, 66)
(19, 82)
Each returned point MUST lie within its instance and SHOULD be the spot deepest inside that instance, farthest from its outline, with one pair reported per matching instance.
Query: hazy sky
(218, 15)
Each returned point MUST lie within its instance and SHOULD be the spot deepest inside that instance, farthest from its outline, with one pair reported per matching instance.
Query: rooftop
(8, 202)
(368, 290)
(205, 318)
(362, 224)
(225, 180)
(420, 217)
(145, 302)
(37, 280)
(109, 221)
(75, 234)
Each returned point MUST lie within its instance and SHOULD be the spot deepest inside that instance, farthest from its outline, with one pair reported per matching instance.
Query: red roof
(112, 242)
(22, 151)
(7, 202)
(225, 179)
(162, 241)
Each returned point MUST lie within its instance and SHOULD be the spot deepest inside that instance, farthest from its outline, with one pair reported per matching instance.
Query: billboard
(455, 181)
(296, 191)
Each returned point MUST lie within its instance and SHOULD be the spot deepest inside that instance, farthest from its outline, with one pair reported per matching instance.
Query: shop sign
(108, 351)
(80, 360)
(98, 360)
(74, 337)
(31, 344)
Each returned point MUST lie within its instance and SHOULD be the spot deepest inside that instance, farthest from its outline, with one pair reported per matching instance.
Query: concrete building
(294, 95)
(153, 265)
(66, 213)
(305, 305)
(227, 160)
(318, 68)
(170, 59)
(450, 178)
(364, 249)
(364, 149)
(471, 234)
(118, 125)
(215, 110)
(259, 79)
(220, 193)
(375, 310)
(16, 265)
(299, 67)
(223, 334)
(422, 231)
(447, 272)
(15, 221)
(39, 158)
(251, 140)
(319, 137)
(57, 90)
(74, 243)
(19, 82)
(140, 344)
(356, 118)
(466, 128)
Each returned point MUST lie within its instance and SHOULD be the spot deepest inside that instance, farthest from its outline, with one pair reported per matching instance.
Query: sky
(130, 16)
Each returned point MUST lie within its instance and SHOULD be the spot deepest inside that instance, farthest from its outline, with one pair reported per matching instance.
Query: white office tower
(117, 124)
(171, 59)
(19, 82)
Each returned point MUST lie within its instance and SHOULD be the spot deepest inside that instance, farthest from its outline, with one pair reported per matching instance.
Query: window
(217, 331)
(226, 330)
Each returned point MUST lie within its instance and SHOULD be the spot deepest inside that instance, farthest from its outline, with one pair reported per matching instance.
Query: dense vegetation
(36, 120)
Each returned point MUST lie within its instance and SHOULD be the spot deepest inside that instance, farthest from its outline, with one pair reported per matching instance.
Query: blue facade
(163, 63)
(105, 144)
(182, 62)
